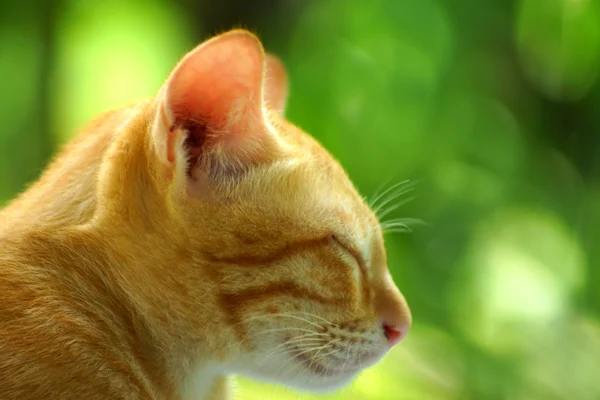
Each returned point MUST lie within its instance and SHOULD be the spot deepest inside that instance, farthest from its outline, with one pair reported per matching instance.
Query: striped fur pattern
(190, 237)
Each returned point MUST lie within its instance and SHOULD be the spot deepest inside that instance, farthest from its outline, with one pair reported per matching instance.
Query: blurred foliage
(491, 106)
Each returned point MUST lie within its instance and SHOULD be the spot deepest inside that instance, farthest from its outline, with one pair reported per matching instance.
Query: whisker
(267, 331)
(396, 230)
(316, 356)
(325, 355)
(291, 370)
(326, 345)
(318, 317)
(290, 329)
(379, 189)
(310, 332)
(294, 342)
(405, 221)
(293, 357)
(284, 315)
(395, 206)
(309, 349)
(347, 358)
(397, 225)
(380, 211)
(373, 202)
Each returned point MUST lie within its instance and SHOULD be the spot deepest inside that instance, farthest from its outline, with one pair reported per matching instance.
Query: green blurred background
(492, 106)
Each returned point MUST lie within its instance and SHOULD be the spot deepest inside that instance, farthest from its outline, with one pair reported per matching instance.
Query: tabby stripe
(287, 251)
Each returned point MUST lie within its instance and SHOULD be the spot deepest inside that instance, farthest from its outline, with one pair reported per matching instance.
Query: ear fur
(276, 84)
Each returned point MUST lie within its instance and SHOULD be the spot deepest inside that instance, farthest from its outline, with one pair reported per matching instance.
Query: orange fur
(163, 251)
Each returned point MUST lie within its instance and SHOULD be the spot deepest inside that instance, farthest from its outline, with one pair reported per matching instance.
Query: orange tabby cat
(190, 237)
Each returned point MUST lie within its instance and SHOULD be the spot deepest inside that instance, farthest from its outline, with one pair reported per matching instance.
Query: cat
(189, 237)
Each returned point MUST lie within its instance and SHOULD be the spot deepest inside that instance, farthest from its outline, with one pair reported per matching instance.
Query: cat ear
(276, 85)
(210, 118)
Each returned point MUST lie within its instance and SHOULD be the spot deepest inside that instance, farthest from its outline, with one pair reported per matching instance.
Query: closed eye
(349, 250)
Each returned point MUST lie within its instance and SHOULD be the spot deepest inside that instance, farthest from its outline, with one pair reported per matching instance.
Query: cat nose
(394, 334)
(393, 311)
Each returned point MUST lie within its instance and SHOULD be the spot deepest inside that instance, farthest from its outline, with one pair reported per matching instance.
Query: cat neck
(156, 279)
(131, 214)
(105, 209)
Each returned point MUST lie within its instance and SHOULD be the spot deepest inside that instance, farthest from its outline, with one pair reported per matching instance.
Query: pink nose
(394, 334)
(394, 313)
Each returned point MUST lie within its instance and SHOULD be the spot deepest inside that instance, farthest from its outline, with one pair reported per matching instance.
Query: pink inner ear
(219, 86)
(213, 105)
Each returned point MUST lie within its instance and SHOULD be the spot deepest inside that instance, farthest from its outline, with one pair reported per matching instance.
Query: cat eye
(349, 250)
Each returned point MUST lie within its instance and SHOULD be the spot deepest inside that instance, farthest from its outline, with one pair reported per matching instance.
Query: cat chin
(323, 385)
(306, 382)
(307, 376)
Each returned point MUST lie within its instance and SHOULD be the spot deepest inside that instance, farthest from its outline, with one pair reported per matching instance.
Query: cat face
(294, 255)
(319, 307)
(302, 275)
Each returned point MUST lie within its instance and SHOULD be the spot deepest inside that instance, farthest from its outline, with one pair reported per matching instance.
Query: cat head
(294, 255)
